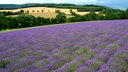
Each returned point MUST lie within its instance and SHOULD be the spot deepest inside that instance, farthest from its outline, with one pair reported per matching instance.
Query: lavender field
(82, 47)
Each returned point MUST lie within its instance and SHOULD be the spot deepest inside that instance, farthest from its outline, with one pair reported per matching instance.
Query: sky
(120, 4)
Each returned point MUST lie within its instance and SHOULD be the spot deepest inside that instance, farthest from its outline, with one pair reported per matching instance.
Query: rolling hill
(69, 6)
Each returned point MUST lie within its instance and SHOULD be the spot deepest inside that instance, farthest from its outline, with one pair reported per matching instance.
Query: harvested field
(45, 12)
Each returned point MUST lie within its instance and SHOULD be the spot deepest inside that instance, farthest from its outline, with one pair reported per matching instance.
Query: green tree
(61, 18)
(126, 14)
(25, 20)
(2, 16)
(74, 14)
(3, 25)
(57, 11)
(72, 19)
(53, 21)
(47, 21)
(21, 11)
(13, 23)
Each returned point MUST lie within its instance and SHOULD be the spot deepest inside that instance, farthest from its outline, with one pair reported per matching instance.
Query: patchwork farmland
(79, 47)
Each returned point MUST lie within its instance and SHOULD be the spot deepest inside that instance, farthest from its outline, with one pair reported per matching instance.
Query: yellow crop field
(45, 12)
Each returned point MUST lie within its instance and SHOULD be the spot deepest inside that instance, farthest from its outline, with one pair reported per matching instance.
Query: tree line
(25, 20)
(108, 14)
(7, 13)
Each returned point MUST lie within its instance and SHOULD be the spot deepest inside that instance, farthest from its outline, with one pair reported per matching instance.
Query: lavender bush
(81, 47)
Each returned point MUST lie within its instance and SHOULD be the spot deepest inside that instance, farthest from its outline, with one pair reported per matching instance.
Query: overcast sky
(122, 4)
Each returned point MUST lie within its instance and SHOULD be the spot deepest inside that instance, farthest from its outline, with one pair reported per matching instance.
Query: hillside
(69, 6)
(46, 12)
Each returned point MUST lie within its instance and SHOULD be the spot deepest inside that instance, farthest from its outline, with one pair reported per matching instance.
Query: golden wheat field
(45, 12)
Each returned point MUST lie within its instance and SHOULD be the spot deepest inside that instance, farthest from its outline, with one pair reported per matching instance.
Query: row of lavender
(81, 47)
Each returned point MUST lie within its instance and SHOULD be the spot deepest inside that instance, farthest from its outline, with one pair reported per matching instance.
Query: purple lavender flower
(81, 47)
